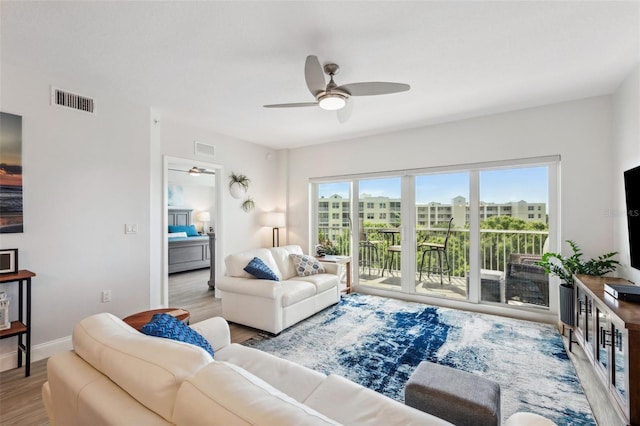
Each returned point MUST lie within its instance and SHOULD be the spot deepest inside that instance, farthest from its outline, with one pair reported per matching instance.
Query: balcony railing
(496, 246)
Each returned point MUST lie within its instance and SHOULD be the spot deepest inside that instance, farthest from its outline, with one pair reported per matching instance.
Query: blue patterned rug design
(378, 342)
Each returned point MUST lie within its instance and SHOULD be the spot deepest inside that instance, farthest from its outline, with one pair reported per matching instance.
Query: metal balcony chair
(441, 251)
(369, 249)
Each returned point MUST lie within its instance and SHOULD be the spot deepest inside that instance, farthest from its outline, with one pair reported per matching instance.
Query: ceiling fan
(332, 97)
(196, 171)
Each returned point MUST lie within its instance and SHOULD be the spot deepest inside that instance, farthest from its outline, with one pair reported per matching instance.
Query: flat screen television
(632, 194)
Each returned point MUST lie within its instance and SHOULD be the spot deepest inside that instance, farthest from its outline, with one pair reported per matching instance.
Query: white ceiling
(215, 64)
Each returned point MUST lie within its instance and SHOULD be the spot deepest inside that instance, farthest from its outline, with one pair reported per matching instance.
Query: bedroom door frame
(219, 219)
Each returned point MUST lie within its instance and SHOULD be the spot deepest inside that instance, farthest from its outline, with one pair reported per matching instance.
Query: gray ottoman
(456, 396)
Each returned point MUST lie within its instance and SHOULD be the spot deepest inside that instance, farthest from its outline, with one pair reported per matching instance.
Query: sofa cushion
(306, 265)
(278, 372)
(285, 264)
(231, 395)
(258, 269)
(295, 291)
(322, 282)
(170, 327)
(150, 369)
(235, 263)
(372, 408)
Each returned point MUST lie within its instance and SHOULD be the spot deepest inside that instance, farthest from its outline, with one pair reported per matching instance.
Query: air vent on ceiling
(71, 100)
(200, 148)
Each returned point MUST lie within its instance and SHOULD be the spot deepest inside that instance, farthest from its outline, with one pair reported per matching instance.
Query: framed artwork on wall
(11, 214)
(8, 261)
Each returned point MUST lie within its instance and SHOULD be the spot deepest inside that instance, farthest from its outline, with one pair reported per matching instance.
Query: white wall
(579, 131)
(241, 230)
(626, 155)
(85, 177)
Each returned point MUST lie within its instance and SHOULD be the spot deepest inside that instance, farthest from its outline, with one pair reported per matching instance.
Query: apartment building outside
(333, 212)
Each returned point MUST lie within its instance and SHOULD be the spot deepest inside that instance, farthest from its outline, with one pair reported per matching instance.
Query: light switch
(131, 228)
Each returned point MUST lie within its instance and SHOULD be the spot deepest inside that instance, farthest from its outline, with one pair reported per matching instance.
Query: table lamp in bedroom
(204, 217)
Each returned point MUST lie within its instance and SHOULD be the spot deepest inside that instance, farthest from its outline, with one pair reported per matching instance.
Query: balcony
(507, 262)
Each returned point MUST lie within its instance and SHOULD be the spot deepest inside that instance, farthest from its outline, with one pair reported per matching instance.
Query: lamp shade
(274, 219)
(204, 217)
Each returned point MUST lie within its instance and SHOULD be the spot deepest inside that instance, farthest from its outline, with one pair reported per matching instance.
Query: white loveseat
(274, 305)
(118, 376)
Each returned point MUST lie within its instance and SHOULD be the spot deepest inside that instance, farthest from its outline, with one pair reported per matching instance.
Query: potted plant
(238, 185)
(565, 267)
(248, 204)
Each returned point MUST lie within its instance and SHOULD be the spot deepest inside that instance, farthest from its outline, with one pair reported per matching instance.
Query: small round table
(141, 318)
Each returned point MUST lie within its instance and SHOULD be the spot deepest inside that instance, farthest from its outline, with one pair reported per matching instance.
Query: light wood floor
(20, 399)
(21, 403)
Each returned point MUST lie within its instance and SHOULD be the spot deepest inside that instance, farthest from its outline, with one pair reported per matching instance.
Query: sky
(496, 186)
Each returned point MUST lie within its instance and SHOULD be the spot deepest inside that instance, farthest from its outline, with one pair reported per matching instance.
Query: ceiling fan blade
(313, 75)
(373, 88)
(294, 105)
(344, 113)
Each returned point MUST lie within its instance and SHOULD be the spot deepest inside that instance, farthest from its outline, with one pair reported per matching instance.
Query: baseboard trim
(9, 360)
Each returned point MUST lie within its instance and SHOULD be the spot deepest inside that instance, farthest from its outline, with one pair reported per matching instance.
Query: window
(498, 210)
(335, 205)
(335, 215)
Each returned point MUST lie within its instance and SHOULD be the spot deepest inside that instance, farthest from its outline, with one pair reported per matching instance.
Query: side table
(342, 260)
(141, 318)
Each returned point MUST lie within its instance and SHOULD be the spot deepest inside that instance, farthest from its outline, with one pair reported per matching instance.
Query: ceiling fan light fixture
(332, 101)
(194, 171)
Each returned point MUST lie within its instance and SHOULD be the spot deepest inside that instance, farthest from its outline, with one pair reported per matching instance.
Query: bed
(187, 249)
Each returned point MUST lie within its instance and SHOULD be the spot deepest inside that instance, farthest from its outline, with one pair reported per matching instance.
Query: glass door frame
(408, 225)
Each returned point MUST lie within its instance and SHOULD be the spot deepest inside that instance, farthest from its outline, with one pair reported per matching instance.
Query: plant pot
(567, 304)
(237, 191)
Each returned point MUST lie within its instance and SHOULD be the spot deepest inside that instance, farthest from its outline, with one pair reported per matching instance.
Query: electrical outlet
(106, 296)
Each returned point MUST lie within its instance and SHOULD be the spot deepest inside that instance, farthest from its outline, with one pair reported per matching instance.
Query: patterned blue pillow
(258, 269)
(306, 265)
(169, 327)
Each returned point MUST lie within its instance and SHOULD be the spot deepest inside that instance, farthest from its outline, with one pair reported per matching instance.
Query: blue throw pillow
(189, 229)
(169, 327)
(258, 269)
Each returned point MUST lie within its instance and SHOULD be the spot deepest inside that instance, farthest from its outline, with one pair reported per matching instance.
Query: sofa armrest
(331, 268)
(215, 330)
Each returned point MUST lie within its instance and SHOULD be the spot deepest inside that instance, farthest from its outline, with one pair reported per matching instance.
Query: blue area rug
(378, 342)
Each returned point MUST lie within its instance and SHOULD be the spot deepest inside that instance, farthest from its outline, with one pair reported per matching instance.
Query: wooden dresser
(609, 332)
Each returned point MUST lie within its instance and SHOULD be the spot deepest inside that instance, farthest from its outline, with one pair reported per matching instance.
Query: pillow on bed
(190, 230)
(178, 235)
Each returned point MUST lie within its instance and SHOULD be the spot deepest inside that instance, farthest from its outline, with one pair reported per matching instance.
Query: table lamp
(276, 220)
(204, 217)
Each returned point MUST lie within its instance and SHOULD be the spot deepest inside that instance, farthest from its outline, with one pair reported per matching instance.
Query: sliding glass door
(333, 218)
(471, 233)
(514, 228)
(379, 232)
(442, 234)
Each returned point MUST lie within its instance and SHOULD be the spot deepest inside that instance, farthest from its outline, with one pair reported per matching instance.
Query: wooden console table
(21, 327)
(609, 332)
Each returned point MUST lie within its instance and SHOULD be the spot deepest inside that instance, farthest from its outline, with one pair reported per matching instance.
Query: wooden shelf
(17, 327)
(22, 327)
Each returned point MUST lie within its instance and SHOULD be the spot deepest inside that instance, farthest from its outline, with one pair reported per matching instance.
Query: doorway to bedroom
(192, 213)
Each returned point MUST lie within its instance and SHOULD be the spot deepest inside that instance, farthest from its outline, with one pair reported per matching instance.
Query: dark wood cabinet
(609, 332)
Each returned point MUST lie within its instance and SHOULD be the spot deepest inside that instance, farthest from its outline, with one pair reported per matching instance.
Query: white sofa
(274, 305)
(118, 376)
